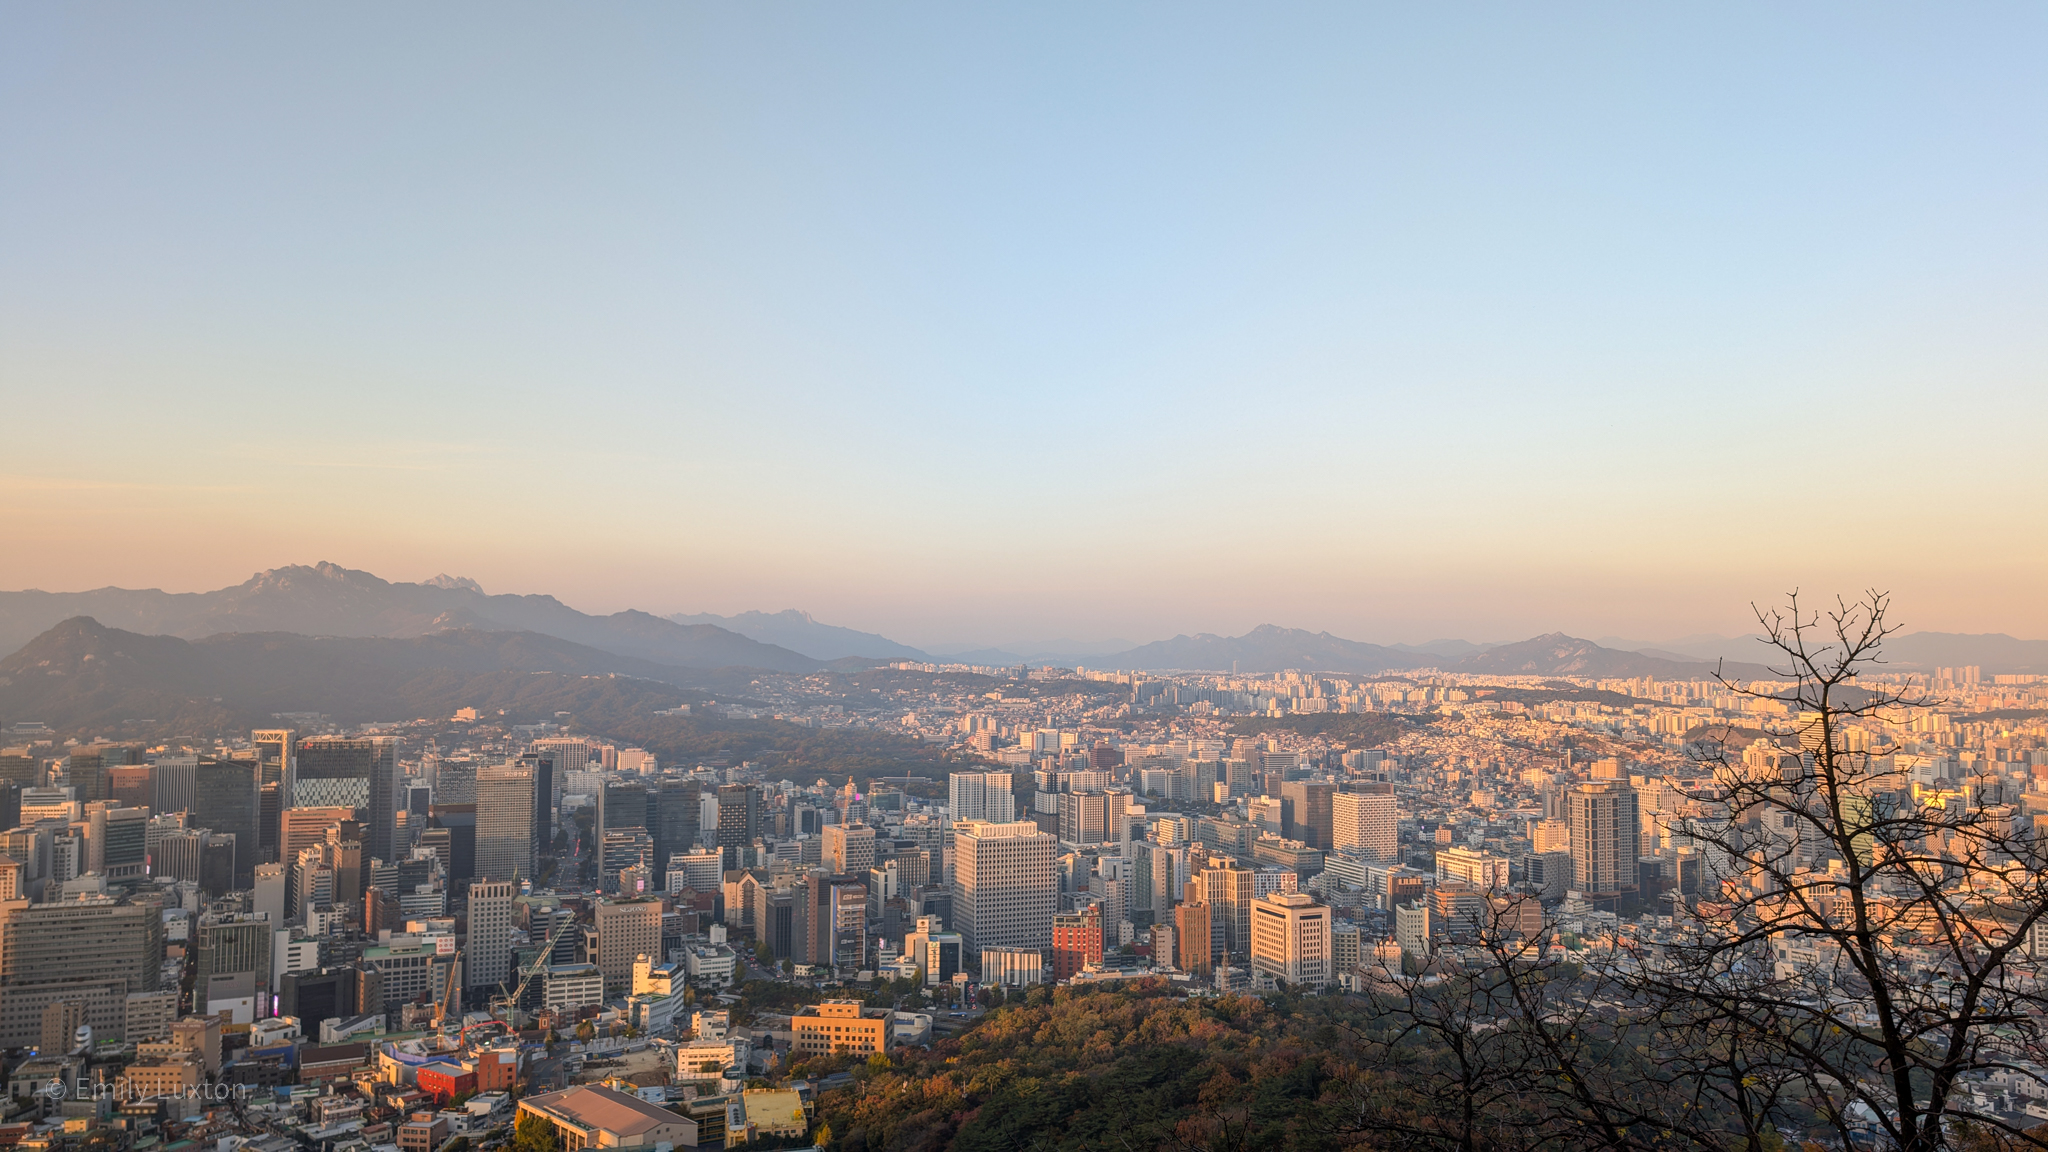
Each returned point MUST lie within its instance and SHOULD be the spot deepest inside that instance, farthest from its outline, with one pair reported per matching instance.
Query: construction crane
(505, 1006)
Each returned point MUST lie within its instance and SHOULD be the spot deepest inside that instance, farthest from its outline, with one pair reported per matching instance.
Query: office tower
(570, 753)
(546, 787)
(1483, 871)
(1551, 836)
(1606, 837)
(92, 949)
(626, 929)
(173, 783)
(220, 865)
(849, 849)
(132, 785)
(1092, 817)
(487, 955)
(1227, 890)
(345, 853)
(275, 746)
(846, 941)
(505, 800)
(739, 820)
(224, 800)
(177, 855)
(440, 843)
(270, 896)
(1306, 807)
(622, 806)
(1076, 942)
(622, 849)
(232, 963)
(1366, 822)
(325, 994)
(981, 796)
(87, 769)
(1192, 938)
(21, 767)
(301, 828)
(678, 805)
(1003, 889)
(699, 871)
(354, 772)
(312, 881)
(1291, 938)
(454, 782)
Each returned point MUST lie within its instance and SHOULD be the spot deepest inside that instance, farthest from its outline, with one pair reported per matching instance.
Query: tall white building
(1484, 871)
(487, 958)
(981, 796)
(1366, 821)
(1291, 938)
(1003, 888)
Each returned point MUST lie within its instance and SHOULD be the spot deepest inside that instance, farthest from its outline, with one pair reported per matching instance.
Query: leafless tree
(1855, 962)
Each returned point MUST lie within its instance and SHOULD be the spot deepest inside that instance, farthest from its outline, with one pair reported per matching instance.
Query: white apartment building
(1367, 822)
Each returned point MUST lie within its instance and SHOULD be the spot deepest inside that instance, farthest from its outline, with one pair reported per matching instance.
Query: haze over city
(1122, 577)
(980, 327)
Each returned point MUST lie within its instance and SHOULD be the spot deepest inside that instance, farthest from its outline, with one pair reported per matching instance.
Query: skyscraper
(487, 957)
(352, 771)
(505, 801)
(678, 806)
(1305, 805)
(224, 800)
(1003, 889)
(1606, 837)
(1366, 822)
(981, 796)
(739, 820)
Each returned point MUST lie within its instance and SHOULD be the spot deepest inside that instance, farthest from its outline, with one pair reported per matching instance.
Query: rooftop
(592, 1106)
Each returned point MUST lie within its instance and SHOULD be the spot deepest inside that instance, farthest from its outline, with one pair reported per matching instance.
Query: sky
(980, 323)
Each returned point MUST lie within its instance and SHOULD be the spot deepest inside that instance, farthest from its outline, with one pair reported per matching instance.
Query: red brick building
(1076, 941)
(444, 1081)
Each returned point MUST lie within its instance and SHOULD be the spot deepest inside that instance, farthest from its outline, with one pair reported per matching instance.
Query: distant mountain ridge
(326, 599)
(1268, 648)
(82, 674)
(800, 632)
(1557, 654)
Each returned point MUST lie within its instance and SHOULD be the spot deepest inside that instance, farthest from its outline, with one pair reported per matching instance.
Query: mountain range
(799, 632)
(328, 600)
(83, 674)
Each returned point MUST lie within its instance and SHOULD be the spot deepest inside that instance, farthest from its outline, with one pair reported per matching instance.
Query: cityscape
(1127, 577)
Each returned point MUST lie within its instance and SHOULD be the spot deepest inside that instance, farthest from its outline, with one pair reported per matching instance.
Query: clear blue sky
(961, 323)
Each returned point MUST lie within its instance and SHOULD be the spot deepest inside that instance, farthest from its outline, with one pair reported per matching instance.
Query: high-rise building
(1191, 934)
(1227, 890)
(739, 820)
(849, 849)
(355, 772)
(1076, 942)
(91, 949)
(231, 962)
(678, 807)
(301, 828)
(1291, 938)
(1306, 810)
(1366, 822)
(1484, 871)
(487, 954)
(1091, 817)
(221, 869)
(1003, 888)
(1606, 837)
(506, 795)
(626, 929)
(224, 800)
(981, 796)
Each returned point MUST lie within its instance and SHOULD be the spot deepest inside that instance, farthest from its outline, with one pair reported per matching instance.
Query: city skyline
(970, 328)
